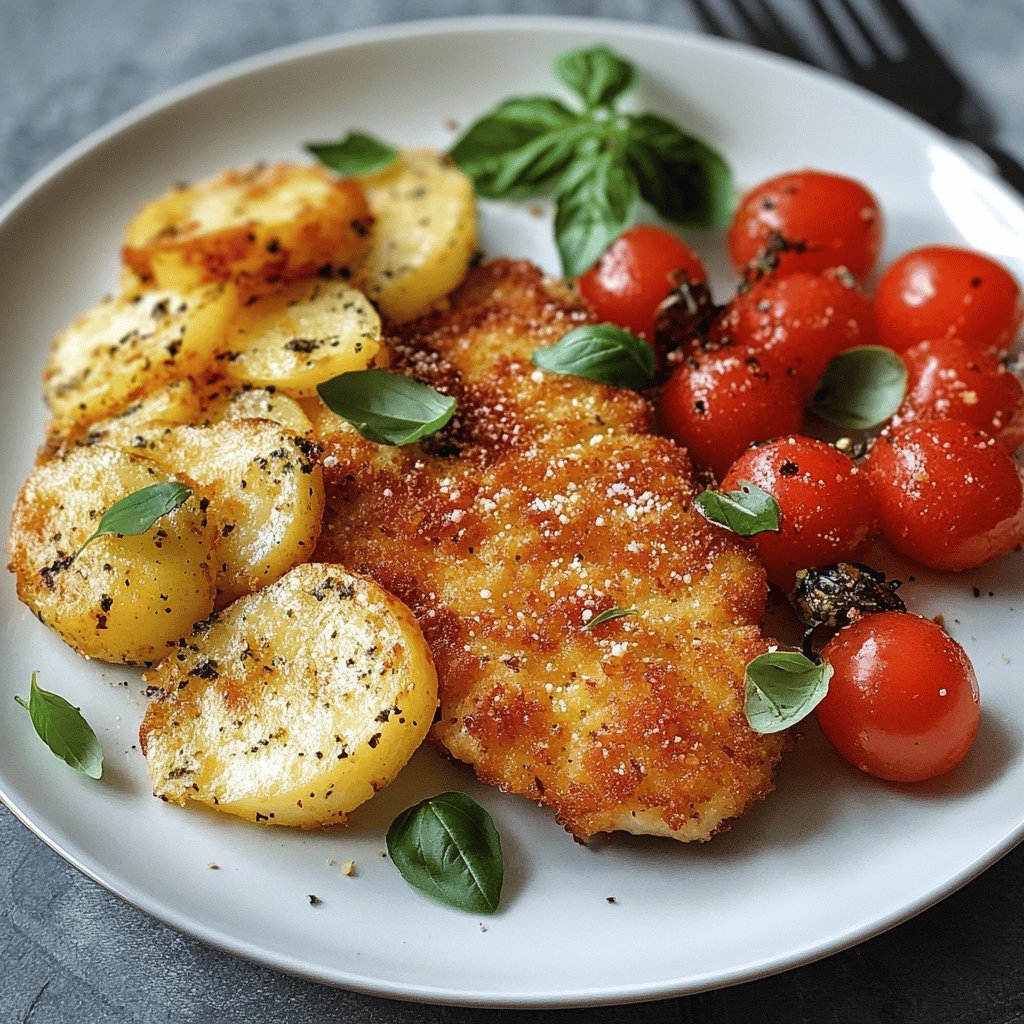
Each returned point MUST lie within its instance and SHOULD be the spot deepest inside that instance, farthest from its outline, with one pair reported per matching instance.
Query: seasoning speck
(610, 899)
(213, 867)
(314, 901)
(348, 868)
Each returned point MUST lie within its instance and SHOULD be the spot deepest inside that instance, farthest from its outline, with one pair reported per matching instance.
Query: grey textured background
(69, 951)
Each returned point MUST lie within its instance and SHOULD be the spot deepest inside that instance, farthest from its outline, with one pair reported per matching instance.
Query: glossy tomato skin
(717, 403)
(827, 219)
(903, 701)
(802, 321)
(947, 495)
(825, 501)
(950, 380)
(941, 291)
(633, 277)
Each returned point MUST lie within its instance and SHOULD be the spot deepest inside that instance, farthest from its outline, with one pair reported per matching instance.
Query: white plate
(828, 860)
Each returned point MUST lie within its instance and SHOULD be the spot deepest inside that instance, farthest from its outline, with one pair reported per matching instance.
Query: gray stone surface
(69, 951)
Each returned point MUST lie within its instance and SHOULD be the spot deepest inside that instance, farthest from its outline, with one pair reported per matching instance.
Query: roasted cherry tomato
(947, 495)
(634, 276)
(827, 513)
(716, 403)
(802, 320)
(949, 380)
(941, 291)
(903, 701)
(815, 220)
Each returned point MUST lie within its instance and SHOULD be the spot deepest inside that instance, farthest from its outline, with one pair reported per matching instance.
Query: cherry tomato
(827, 512)
(823, 220)
(949, 380)
(801, 320)
(903, 701)
(716, 403)
(948, 496)
(633, 277)
(940, 291)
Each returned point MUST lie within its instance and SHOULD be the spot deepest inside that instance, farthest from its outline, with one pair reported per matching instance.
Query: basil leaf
(594, 211)
(355, 154)
(596, 74)
(683, 178)
(601, 352)
(607, 616)
(387, 408)
(448, 848)
(861, 387)
(747, 512)
(62, 728)
(520, 147)
(136, 513)
(782, 688)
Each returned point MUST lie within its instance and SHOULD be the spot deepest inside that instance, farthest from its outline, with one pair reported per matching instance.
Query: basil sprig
(597, 162)
(357, 153)
(608, 615)
(137, 512)
(601, 352)
(781, 688)
(746, 512)
(62, 728)
(448, 848)
(861, 387)
(387, 408)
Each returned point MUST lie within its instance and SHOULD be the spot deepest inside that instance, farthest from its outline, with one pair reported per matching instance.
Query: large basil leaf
(387, 408)
(596, 74)
(601, 352)
(62, 728)
(861, 387)
(137, 512)
(781, 688)
(357, 153)
(683, 178)
(746, 512)
(448, 848)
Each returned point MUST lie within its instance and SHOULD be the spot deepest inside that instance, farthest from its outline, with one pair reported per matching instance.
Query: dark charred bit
(836, 595)
(50, 571)
(205, 670)
(767, 260)
(685, 317)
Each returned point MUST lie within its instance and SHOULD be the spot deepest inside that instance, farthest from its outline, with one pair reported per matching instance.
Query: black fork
(920, 79)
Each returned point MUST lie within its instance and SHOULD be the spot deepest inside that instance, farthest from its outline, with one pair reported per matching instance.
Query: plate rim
(482, 24)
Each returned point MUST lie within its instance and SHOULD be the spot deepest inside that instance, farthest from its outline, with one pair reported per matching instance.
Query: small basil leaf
(601, 352)
(608, 615)
(596, 74)
(591, 214)
(861, 387)
(448, 848)
(747, 512)
(520, 147)
(62, 728)
(683, 178)
(387, 408)
(355, 154)
(782, 688)
(136, 513)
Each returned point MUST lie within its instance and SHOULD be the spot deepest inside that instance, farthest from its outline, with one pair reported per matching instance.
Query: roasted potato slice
(301, 335)
(294, 705)
(176, 402)
(265, 488)
(272, 222)
(424, 233)
(126, 346)
(259, 404)
(122, 599)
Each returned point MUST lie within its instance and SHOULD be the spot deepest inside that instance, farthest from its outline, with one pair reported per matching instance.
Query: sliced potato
(265, 488)
(126, 346)
(272, 222)
(260, 404)
(424, 233)
(122, 599)
(301, 335)
(176, 402)
(294, 705)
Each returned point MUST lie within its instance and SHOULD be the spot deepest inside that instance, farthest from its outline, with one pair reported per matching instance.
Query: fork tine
(862, 27)
(709, 19)
(824, 20)
(905, 24)
(785, 42)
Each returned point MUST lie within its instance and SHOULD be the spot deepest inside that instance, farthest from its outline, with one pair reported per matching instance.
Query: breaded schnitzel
(546, 501)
